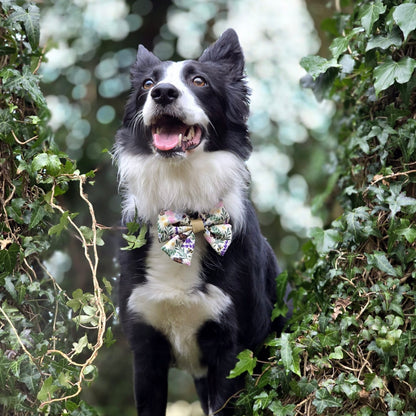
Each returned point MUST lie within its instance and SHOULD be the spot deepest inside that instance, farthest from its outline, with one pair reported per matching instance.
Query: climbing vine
(352, 345)
(42, 369)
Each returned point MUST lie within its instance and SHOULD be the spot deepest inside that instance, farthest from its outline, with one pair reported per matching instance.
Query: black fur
(246, 273)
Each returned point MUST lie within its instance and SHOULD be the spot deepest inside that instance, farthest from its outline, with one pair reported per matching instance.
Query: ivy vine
(42, 369)
(352, 345)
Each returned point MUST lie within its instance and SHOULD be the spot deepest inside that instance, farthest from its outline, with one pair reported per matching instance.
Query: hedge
(42, 369)
(351, 345)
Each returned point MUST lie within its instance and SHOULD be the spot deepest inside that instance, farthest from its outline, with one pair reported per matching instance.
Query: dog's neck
(192, 184)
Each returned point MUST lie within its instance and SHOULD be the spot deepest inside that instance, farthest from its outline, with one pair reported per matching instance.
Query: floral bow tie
(179, 230)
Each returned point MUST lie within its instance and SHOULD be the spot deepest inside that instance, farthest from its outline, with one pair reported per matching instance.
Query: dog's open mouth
(171, 134)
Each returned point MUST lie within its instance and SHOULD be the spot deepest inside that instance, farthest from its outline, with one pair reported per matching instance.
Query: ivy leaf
(80, 345)
(5, 123)
(290, 359)
(340, 44)
(373, 381)
(51, 163)
(408, 232)
(390, 71)
(63, 223)
(324, 399)
(280, 308)
(370, 13)
(135, 241)
(337, 354)
(282, 410)
(8, 258)
(37, 215)
(383, 42)
(316, 65)
(405, 16)
(396, 202)
(30, 20)
(357, 222)
(23, 83)
(325, 240)
(379, 260)
(246, 362)
(47, 389)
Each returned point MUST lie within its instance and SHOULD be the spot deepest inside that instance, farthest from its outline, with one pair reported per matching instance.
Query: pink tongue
(166, 141)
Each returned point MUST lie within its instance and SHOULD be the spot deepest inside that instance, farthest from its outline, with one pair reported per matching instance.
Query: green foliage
(351, 349)
(48, 339)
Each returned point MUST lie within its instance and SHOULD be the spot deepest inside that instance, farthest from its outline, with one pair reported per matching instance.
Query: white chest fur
(196, 183)
(171, 302)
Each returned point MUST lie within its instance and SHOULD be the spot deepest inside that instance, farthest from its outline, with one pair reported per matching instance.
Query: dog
(202, 287)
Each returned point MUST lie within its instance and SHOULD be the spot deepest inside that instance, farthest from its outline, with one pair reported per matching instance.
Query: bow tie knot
(178, 231)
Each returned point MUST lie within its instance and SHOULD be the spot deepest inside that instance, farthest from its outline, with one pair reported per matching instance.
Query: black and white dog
(202, 288)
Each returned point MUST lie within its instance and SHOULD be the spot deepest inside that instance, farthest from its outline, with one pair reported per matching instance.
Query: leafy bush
(42, 369)
(352, 349)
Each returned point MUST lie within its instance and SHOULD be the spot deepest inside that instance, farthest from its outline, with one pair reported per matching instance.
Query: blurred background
(91, 45)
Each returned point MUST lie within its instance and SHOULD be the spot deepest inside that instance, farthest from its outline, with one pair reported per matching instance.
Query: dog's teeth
(191, 132)
(180, 139)
(157, 130)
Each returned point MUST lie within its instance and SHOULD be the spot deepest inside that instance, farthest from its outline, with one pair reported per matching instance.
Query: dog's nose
(165, 94)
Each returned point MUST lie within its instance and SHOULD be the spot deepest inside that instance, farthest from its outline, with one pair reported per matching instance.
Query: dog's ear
(226, 51)
(146, 58)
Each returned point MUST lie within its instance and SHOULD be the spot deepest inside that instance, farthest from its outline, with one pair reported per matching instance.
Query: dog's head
(177, 108)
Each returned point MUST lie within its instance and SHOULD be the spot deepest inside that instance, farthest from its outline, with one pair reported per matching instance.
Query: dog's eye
(148, 83)
(199, 82)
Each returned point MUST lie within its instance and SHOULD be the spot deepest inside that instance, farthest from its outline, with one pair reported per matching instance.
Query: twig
(25, 142)
(18, 337)
(393, 175)
(98, 300)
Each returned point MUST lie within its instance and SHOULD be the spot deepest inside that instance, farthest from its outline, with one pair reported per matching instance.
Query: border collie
(202, 288)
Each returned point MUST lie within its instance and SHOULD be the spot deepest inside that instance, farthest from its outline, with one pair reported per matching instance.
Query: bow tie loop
(178, 231)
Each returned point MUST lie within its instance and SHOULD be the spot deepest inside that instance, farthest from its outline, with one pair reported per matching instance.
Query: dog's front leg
(219, 351)
(151, 364)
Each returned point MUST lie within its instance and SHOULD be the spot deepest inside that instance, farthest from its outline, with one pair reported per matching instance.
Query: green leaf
(390, 71)
(135, 241)
(109, 338)
(316, 65)
(409, 233)
(324, 399)
(325, 240)
(8, 258)
(279, 409)
(88, 233)
(337, 354)
(383, 42)
(50, 162)
(370, 13)
(6, 122)
(281, 286)
(47, 390)
(373, 381)
(37, 215)
(9, 286)
(64, 379)
(396, 202)
(63, 223)
(339, 45)
(80, 345)
(30, 20)
(290, 359)
(23, 83)
(379, 260)
(246, 363)
(405, 16)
